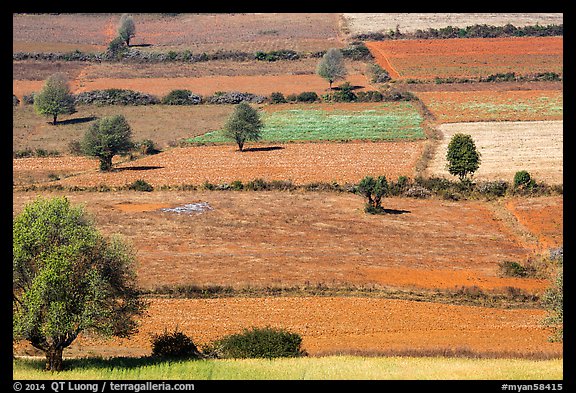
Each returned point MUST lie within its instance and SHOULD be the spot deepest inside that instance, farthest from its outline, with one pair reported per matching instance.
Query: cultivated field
(298, 162)
(508, 147)
(426, 278)
(357, 23)
(196, 32)
(344, 325)
(275, 238)
(468, 57)
(493, 105)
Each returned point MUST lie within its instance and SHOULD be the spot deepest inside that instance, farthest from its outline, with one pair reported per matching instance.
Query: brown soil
(300, 163)
(196, 32)
(340, 325)
(261, 239)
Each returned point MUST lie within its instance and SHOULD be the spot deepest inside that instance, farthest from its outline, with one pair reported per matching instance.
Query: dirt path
(382, 59)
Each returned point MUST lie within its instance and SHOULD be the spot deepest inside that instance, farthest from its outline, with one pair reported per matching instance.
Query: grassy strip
(309, 368)
(391, 121)
(507, 297)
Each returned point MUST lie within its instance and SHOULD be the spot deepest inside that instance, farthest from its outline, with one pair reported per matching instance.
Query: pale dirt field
(508, 147)
(358, 23)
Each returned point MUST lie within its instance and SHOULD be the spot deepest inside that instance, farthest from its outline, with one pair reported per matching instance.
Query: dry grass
(357, 23)
(508, 147)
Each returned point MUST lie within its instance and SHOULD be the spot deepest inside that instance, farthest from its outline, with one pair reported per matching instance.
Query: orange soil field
(196, 32)
(543, 217)
(257, 84)
(330, 325)
(468, 57)
(299, 162)
(490, 105)
(275, 238)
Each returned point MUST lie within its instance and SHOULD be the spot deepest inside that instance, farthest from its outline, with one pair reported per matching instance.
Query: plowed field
(261, 239)
(508, 147)
(468, 57)
(299, 162)
(199, 33)
(500, 105)
(341, 325)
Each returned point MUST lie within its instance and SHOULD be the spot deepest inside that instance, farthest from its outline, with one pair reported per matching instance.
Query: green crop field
(326, 368)
(386, 121)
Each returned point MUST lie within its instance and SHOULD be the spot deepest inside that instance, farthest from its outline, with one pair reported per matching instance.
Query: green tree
(55, 98)
(68, 278)
(126, 28)
(553, 301)
(244, 125)
(462, 156)
(373, 190)
(106, 138)
(331, 67)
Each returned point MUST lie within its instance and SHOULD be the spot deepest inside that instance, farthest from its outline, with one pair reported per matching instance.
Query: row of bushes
(501, 77)
(186, 97)
(356, 51)
(266, 342)
(473, 31)
(419, 187)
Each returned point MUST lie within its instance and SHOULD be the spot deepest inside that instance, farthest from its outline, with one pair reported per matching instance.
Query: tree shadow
(140, 45)
(267, 148)
(137, 168)
(394, 211)
(77, 120)
(354, 87)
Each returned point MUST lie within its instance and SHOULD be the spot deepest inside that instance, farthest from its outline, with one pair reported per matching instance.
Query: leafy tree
(55, 98)
(244, 125)
(373, 190)
(126, 28)
(331, 67)
(106, 138)
(68, 278)
(553, 300)
(463, 158)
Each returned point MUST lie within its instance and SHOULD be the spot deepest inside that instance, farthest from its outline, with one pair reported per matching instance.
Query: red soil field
(330, 325)
(543, 217)
(490, 105)
(468, 57)
(275, 238)
(299, 162)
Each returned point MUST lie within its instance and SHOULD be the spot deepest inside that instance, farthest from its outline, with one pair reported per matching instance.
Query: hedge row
(186, 97)
(474, 31)
(419, 188)
(356, 51)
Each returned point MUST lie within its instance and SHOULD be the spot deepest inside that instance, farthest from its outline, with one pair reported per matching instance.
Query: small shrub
(237, 185)
(307, 96)
(15, 100)
(28, 99)
(174, 345)
(513, 269)
(419, 192)
(140, 185)
(522, 179)
(344, 94)
(265, 342)
(147, 147)
(277, 98)
(257, 185)
(369, 96)
(496, 188)
(291, 97)
(181, 97)
(75, 148)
